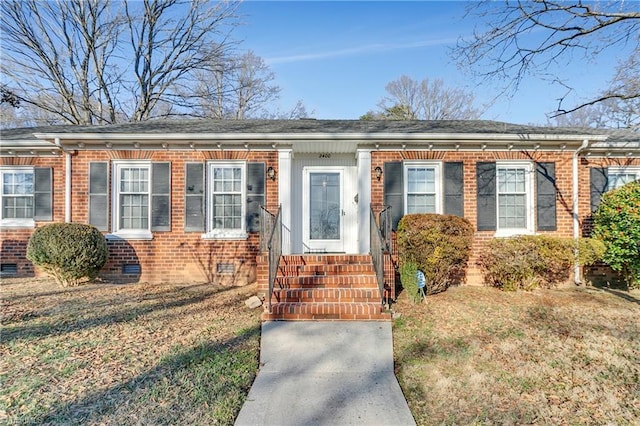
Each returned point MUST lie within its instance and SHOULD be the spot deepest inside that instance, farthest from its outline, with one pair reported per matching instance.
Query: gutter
(577, 271)
(67, 182)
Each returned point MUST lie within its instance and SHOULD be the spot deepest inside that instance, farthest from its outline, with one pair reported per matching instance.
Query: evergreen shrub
(529, 261)
(617, 223)
(72, 253)
(438, 245)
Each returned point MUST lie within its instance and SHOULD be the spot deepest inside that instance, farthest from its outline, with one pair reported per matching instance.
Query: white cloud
(358, 50)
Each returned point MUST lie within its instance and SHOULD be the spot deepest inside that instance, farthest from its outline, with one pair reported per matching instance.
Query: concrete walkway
(325, 373)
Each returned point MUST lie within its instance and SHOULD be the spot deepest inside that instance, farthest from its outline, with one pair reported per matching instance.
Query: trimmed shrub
(72, 253)
(590, 251)
(410, 281)
(617, 223)
(438, 245)
(526, 262)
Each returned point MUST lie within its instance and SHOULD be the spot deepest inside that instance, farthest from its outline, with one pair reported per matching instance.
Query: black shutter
(161, 196)
(394, 190)
(99, 195)
(194, 197)
(598, 182)
(255, 195)
(486, 209)
(546, 196)
(454, 188)
(42, 194)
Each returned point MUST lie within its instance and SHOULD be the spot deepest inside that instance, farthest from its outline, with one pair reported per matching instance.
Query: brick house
(185, 200)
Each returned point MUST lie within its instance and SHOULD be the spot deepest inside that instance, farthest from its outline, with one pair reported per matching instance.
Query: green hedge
(438, 245)
(527, 262)
(70, 252)
(617, 223)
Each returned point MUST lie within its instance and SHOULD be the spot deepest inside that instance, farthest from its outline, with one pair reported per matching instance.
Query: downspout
(577, 270)
(67, 182)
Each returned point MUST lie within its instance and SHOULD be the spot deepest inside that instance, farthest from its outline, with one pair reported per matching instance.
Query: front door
(323, 210)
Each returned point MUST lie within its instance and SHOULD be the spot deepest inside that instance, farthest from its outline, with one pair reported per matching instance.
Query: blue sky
(337, 57)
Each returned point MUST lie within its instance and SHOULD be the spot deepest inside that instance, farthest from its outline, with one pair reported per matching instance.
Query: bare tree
(238, 87)
(610, 112)
(59, 57)
(170, 40)
(408, 99)
(517, 39)
(72, 60)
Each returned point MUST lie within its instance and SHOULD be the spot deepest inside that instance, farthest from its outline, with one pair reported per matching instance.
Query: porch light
(378, 172)
(271, 173)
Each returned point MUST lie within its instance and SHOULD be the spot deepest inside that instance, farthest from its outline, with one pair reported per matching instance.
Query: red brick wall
(13, 242)
(563, 171)
(175, 255)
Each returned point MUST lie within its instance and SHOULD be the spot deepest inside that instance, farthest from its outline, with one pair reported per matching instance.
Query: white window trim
(225, 234)
(15, 223)
(623, 169)
(127, 234)
(437, 165)
(529, 199)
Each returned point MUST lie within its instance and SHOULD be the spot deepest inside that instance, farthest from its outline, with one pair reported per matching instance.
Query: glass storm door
(323, 210)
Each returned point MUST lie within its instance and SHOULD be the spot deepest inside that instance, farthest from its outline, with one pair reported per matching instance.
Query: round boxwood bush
(438, 245)
(72, 253)
(617, 223)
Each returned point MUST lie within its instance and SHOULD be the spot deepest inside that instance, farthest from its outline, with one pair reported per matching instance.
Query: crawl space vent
(225, 268)
(9, 269)
(131, 268)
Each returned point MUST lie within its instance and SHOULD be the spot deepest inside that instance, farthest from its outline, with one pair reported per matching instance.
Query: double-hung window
(514, 197)
(423, 188)
(17, 195)
(132, 188)
(227, 199)
(620, 176)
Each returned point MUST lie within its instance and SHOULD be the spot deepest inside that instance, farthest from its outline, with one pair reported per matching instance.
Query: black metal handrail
(274, 246)
(266, 225)
(379, 246)
(385, 226)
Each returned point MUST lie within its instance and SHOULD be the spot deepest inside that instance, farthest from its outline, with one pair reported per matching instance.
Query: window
(515, 197)
(619, 176)
(132, 193)
(226, 199)
(17, 194)
(423, 188)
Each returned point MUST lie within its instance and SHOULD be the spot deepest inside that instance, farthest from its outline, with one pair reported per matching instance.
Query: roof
(345, 135)
(303, 126)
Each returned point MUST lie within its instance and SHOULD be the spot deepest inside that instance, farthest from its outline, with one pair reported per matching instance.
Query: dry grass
(125, 354)
(476, 355)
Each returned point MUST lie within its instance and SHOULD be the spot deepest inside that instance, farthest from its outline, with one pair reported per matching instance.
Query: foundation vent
(131, 269)
(8, 269)
(225, 268)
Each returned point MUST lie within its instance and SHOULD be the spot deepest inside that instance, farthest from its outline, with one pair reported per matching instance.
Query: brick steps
(326, 311)
(328, 281)
(325, 287)
(325, 295)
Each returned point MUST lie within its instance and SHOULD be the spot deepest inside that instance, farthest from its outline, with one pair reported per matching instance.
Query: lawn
(476, 355)
(125, 354)
(187, 354)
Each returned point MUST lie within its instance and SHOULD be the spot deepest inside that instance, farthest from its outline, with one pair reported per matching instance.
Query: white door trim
(322, 245)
